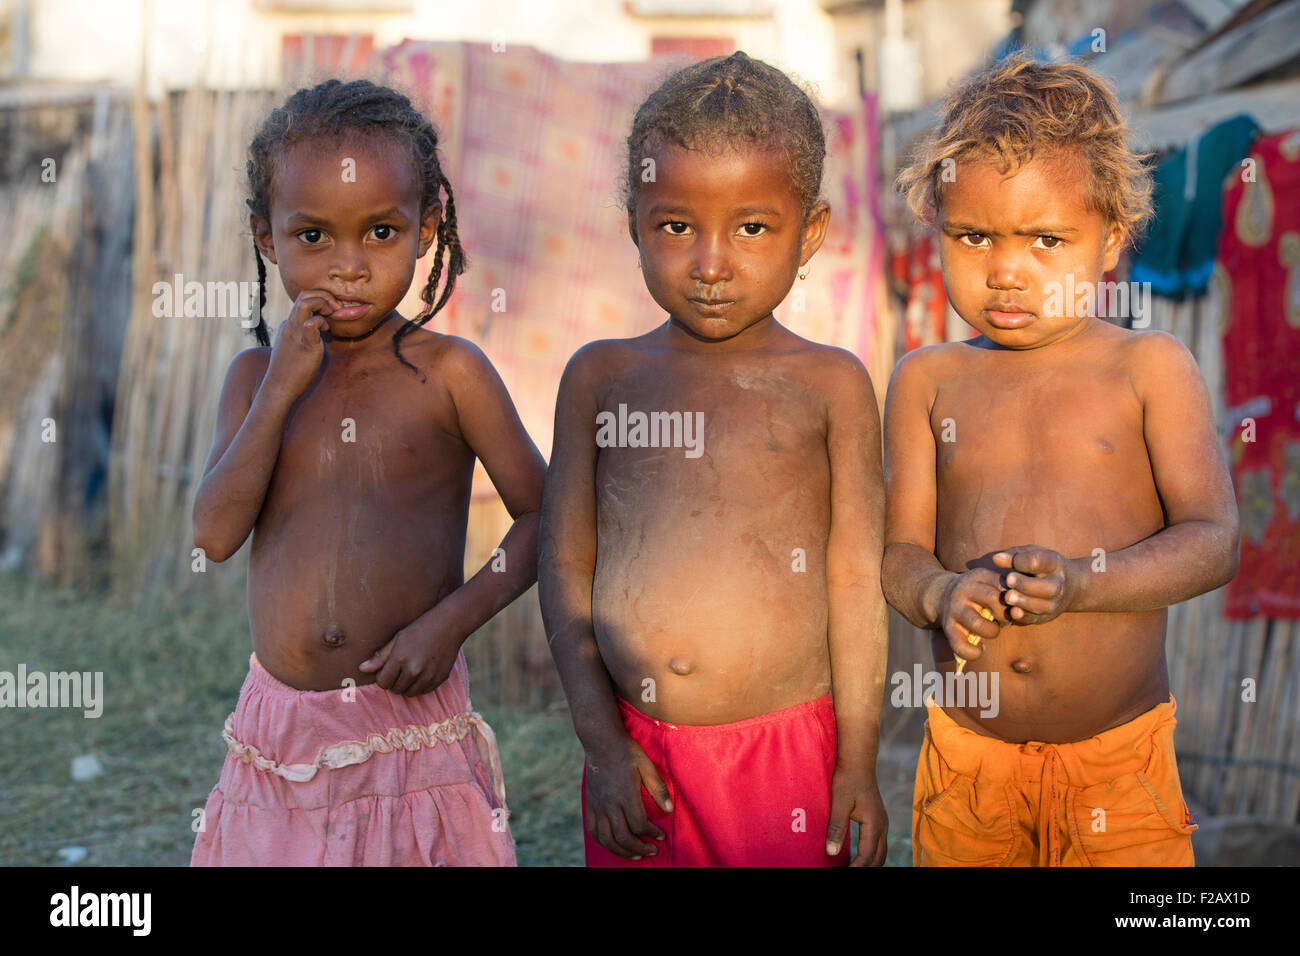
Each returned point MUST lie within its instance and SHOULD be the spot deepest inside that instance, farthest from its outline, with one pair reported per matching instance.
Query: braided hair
(334, 108)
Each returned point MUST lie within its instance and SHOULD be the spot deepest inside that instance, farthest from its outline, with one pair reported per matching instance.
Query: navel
(334, 637)
(680, 665)
(1021, 666)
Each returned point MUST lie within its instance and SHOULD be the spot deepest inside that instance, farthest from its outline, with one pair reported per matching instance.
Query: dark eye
(973, 237)
(306, 232)
(1051, 242)
(676, 227)
(753, 229)
(388, 232)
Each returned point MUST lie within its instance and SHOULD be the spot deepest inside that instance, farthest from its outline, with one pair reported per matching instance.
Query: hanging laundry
(1177, 254)
(927, 300)
(1259, 280)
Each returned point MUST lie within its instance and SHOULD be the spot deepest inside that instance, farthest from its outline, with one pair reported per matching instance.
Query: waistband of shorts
(1123, 749)
(810, 708)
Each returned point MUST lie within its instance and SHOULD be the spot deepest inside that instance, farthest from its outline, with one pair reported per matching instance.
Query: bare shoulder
(251, 360)
(1155, 347)
(451, 358)
(248, 368)
(600, 353)
(835, 371)
(833, 359)
(452, 365)
(1115, 341)
(598, 363)
(919, 371)
(1158, 362)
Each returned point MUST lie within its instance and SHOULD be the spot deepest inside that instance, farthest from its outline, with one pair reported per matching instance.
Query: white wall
(237, 43)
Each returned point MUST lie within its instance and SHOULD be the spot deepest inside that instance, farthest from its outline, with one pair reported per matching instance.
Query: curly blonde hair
(1018, 108)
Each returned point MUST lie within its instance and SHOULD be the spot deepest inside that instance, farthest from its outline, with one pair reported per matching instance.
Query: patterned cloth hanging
(1258, 277)
(535, 150)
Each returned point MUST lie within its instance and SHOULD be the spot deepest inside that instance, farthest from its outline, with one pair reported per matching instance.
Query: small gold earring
(803, 274)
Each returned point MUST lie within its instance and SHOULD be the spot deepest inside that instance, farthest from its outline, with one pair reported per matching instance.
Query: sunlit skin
(655, 565)
(1005, 240)
(1081, 489)
(356, 568)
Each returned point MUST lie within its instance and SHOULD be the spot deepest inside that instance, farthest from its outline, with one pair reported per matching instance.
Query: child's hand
(298, 351)
(1041, 585)
(855, 796)
(959, 615)
(417, 659)
(616, 816)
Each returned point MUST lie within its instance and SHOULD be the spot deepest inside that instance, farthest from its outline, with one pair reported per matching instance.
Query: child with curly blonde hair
(1052, 485)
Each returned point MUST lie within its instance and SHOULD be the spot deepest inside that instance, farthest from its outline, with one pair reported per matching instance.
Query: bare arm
(251, 418)
(421, 655)
(250, 425)
(857, 623)
(616, 766)
(491, 427)
(858, 633)
(567, 559)
(911, 576)
(914, 581)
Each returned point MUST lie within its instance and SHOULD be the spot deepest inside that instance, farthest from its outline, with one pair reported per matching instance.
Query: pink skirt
(356, 777)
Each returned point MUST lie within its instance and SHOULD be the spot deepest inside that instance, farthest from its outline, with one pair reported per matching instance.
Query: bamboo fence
(1237, 756)
(190, 221)
(62, 257)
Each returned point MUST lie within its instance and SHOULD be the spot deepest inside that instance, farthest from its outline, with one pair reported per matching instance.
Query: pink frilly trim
(349, 752)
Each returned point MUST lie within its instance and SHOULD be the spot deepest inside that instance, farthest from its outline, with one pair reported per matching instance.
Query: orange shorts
(1111, 800)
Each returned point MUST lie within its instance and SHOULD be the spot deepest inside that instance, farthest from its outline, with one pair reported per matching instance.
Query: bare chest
(1073, 429)
(1057, 461)
(750, 438)
(360, 434)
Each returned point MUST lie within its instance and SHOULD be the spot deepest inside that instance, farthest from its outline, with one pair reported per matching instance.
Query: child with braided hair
(354, 742)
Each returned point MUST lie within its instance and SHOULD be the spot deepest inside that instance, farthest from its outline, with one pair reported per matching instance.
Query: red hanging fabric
(1258, 277)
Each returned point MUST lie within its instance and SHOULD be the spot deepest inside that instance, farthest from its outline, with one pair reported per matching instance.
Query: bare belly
(330, 584)
(1082, 487)
(1086, 673)
(700, 615)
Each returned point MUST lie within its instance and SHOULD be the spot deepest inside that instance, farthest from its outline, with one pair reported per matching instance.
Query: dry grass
(172, 673)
